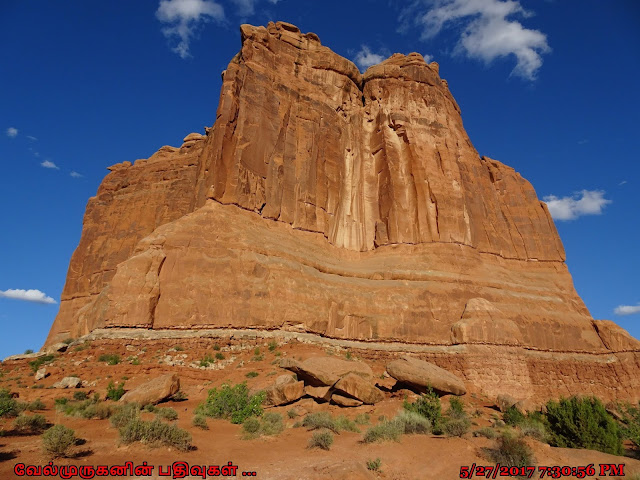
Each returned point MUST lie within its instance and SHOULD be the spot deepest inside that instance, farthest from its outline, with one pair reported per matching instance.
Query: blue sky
(548, 87)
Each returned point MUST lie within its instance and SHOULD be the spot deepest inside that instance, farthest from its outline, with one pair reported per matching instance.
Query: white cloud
(622, 183)
(245, 7)
(75, 174)
(32, 138)
(365, 58)
(487, 30)
(12, 132)
(184, 17)
(586, 202)
(627, 309)
(27, 295)
(49, 164)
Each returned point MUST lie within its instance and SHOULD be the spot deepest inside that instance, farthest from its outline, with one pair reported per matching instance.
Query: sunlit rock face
(328, 201)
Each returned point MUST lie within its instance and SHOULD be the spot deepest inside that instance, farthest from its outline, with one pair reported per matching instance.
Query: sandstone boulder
(359, 388)
(41, 374)
(325, 371)
(420, 374)
(285, 390)
(153, 391)
(56, 347)
(319, 393)
(505, 401)
(68, 382)
(345, 401)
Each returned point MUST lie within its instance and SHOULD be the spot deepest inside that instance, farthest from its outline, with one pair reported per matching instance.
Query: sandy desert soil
(285, 456)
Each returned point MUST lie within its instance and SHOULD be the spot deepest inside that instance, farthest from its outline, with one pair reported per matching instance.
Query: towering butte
(347, 205)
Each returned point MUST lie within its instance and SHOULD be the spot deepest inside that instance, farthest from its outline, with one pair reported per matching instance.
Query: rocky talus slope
(349, 206)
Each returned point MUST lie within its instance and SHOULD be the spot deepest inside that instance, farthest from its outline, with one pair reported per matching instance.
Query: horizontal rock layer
(365, 213)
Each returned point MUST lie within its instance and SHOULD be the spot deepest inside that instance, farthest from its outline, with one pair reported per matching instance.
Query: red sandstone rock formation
(365, 213)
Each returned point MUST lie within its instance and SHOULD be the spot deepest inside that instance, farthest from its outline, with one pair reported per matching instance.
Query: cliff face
(365, 213)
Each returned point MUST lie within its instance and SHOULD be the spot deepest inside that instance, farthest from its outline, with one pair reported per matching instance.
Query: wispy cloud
(183, 18)
(32, 138)
(49, 164)
(586, 202)
(627, 309)
(583, 141)
(12, 132)
(75, 174)
(622, 183)
(487, 30)
(366, 58)
(27, 295)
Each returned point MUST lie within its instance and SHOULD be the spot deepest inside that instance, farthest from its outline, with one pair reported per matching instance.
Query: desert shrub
(362, 419)
(486, 432)
(386, 430)
(124, 414)
(167, 413)
(512, 416)
(511, 451)
(342, 423)
(322, 439)
(219, 356)
(374, 465)
(257, 356)
(97, 410)
(28, 351)
(38, 362)
(534, 429)
(37, 404)
(68, 341)
(80, 395)
(272, 345)
(428, 405)
(149, 407)
(456, 427)
(178, 348)
(179, 396)
(115, 393)
(207, 360)
(232, 402)
(456, 409)
(631, 423)
(216, 347)
(318, 420)
(109, 358)
(200, 421)
(155, 433)
(270, 424)
(252, 374)
(8, 404)
(291, 413)
(413, 422)
(30, 423)
(57, 402)
(58, 440)
(583, 423)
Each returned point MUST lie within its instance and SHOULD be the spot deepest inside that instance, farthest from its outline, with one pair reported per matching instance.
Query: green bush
(58, 440)
(97, 410)
(456, 427)
(428, 405)
(511, 451)
(362, 419)
(386, 430)
(115, 393)
(125, 414)
(252, 374)
(270, 424)
(37, 404)
(413, 422)
(167, 413)
(456, 408)
(109, 358)
(534, 429)
(583, 423)
(342, 423)
(38, 362)
(207, 360)
(232, 402)
(200, 421)
(374, 465)
(322, 439)
(8, 405)
(631, 423)
(291, 413)
(486, 432)
(28, 351)
(219, 356)
(30, 423)
(155, 433)
(512, 416)
(272, 345)
(320, 420)
(80, 395)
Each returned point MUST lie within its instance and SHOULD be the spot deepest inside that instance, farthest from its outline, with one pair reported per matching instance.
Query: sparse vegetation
(347, 355)
(68, 341)
(583, 423)
(512, 416)
(232, 402)
(216, 347)
(86, 409)
(200, 421)
(207, 360)
(58, 440)
(291, 413)
(179, 396)
(322, 439)
(115, 392)
(374, 465)
(456, 427)
(486, 432)
(79, 395)
(511, 451)
(273, 345)
(28, 351)
(8, 405)
(252, 374)
(386, 430)
(155, 433)
(631, 423)
(36, 405)
(320, 420)
(30, 423)
(362, 419)
(219, 356)
(109, 358)
(413, 422)
(342, 423)
(270, 424)
(534, 428)
(428, 405)
(257, 356)
(40, 361)
(178, 348)
(167, 413)
(125, 414)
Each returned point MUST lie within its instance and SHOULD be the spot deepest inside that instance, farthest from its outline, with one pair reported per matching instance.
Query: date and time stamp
(542, 471)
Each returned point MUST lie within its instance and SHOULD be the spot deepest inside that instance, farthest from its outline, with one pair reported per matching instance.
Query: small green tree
(428, 405)
(232, 402)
